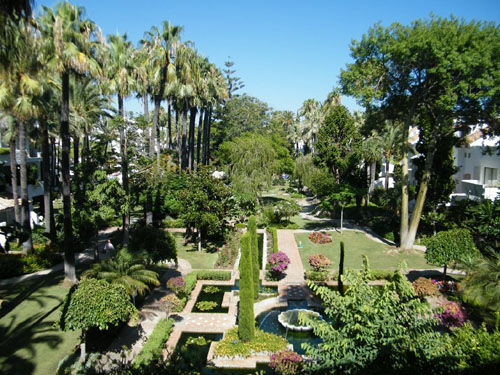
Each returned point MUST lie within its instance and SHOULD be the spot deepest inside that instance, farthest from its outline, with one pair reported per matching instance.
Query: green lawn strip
(358, 244)
(29, 343)
(189, 252)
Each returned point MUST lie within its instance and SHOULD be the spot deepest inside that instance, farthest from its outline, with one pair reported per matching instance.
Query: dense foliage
(156, 342)
(278, 263)
(154, 244)
(319, 262)
(246, 321)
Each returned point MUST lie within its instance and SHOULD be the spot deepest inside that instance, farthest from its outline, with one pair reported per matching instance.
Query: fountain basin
(290, 319)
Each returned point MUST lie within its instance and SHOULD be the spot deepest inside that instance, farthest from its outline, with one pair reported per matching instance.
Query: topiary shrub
(252, 230)
(246, 321)
(319, 262)
(176, 284)
(424, 287)
(278, 263)
(213, 275)
(275, 239)
(453, 314)
(287, 362)
(172, 303)
(317, 276)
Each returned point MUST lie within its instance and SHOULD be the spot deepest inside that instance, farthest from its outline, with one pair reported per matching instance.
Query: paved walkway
(85, 256)
(287, 244)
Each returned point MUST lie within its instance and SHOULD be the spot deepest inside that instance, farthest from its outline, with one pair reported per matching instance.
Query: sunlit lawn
(29, 343)
(199, 260)
(357, 244)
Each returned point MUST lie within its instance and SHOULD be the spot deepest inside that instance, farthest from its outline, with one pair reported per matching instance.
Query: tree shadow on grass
(26, 335)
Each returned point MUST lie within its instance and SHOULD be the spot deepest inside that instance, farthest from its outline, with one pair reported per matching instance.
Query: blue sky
(284, 51)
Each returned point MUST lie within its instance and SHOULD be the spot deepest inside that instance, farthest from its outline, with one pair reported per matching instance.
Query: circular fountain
(290, 319)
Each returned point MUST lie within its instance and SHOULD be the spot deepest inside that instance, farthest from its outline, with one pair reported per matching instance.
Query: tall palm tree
(20, 92)
(120, 75)
(389, 139)
(372, 154)
(161, 45)
(313, 118)
(69, 47)
(131, 274)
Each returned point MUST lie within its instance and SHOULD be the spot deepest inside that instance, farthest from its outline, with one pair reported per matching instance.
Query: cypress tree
(246, 322)
(341, 269)
(252, 229)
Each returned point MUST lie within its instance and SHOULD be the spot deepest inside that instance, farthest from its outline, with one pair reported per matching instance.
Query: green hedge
(317, 276)
(381, 275)
(275, 239)
(155, 344)
(213, 275)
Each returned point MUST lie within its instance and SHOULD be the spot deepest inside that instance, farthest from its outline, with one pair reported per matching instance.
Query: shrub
(213, 275)
(176, 284)
(206, 305)
(240, 225)
(319, 262)
(172, 303)
(157, 244)
(246, 321)
(286, 362)
(278, 263)
(190, 279)
(320, 237)
(252, 229)
(381, 275)
(153, 348)
(211, 289)
(275, 239)
(453, 314)
(18, 264)
(317, 276)
(173, 223)
(424, 287)
(229, 251)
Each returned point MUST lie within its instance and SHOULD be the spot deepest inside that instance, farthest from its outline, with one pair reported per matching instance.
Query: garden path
(287, 244)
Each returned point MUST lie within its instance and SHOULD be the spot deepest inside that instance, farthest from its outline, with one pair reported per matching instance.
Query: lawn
(357, 244)
(29, 343)
(204, 260)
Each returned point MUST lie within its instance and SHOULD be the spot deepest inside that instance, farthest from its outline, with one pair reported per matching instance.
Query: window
(490, 176)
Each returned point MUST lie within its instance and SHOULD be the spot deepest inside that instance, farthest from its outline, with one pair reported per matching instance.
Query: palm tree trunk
(149, 197)
(177, 138)
(184, 140)
(156, 119)
(50, 228)
(13, 178)
(69, 255)
(124, 157)
(198, 140)
(373, 169)
(158, 146)
(169, 119)
(386, 174)
(192, 122)
(205, 137)
(25, 204)
(146, 117)
(76, 151)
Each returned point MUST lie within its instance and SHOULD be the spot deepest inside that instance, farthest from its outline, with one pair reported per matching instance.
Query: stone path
(287, 244)
(85, 256)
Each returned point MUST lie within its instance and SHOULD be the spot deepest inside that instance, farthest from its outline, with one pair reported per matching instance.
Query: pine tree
(246, 322)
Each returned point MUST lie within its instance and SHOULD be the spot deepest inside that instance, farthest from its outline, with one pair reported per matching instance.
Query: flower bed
(453, 315)
(263, 343)
(320, 237)
(319, 262)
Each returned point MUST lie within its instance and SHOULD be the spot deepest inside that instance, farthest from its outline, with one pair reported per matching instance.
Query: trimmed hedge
(381, 275)
(213, 275)
(155, 344)
(275, 239)
(317, 276)
(246, 321)
(252, 229)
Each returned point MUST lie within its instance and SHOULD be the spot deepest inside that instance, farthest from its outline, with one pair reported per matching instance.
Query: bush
(190, 279)
(153, 348)
(275, 239)
(317, 276)
(263, 342)
(19, 264)
(213, 275)
(157, 244)
(172, 303)
(278, 263)
(424, 287)
(381, 275)
(319, 262)
(173, 223)
(246, 321)
(240, 225)
(229, 251)
(206, 305)
(453, 314)
(320, 237)
(286, 362)
(176, 284)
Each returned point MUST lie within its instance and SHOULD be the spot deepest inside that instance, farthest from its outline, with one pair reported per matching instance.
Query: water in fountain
(263, 320)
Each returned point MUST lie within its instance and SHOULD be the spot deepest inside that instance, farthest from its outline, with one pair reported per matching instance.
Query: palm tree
(133, 275)
(161, 47)
(388, 141)
(68, 48)
(120, 75)
(20, 92)
(372, 154)
(313, 118)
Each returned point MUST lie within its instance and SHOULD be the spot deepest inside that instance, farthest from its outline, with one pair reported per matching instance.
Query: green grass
(356, 245)
(29, 344)
(204, 260)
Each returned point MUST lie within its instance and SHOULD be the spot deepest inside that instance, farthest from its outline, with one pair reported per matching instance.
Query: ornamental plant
(176, 284)
(319, 262)
(206, 305)
(453, 314)
(246, 321)
(320, 237)
(171, 303)
(286, 362)
(425, 287)
(278, 263)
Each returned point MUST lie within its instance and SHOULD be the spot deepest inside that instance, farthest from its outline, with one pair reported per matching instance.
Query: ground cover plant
(357, 244)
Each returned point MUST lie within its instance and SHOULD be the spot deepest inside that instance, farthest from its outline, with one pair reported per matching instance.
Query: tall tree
(69, 48)
(120, 71)
(436, 72)
(233, 83)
